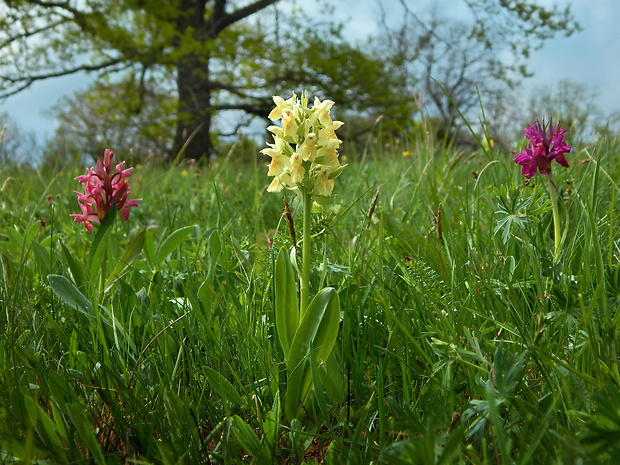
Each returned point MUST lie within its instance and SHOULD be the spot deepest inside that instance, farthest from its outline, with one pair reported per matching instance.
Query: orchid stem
(304, 285)
(557, 231)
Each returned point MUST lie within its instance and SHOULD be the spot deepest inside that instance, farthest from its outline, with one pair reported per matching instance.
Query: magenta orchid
(542, 149)
(102, 188)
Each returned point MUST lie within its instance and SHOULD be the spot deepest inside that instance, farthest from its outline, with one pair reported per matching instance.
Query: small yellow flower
(321, 110)
(406, 153)
(323, 185)
(279, 161)
(289, 125)
(275, 186)
(281, 104)
(328, 137)
(307, 150)
(329, 157)
(275, 130)
(297, 171)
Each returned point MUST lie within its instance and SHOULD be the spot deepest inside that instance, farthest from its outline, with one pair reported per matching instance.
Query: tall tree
(42, 39)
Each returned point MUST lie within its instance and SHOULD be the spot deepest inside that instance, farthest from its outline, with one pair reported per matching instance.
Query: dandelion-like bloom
(103, 187)
(304, 153)
(542, 148)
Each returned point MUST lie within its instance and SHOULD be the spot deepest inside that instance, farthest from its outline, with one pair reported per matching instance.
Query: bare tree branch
(62, 5)
(27, 81)
(226, 19)
(32, 33)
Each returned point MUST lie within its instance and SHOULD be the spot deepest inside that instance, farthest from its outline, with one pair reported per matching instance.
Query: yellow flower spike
(320, 112)
(304, 154)
(323, 111)
(282, 146)
(296, 159)
(287, 181)
(278, 166)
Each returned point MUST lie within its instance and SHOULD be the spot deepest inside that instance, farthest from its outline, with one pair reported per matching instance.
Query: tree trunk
(194, 108)
(192, 67)
(194, 111)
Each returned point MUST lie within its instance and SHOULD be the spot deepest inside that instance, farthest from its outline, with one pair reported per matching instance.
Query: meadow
(462, 335)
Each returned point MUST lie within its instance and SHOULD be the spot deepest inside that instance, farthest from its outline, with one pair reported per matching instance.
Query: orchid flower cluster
(538, 154)
(102, 188)
(304, 154)
(542, 149)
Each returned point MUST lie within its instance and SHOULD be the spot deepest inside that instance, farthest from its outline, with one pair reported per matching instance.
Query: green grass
(461, 341)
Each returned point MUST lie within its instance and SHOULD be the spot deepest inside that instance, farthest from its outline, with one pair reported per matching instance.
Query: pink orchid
(102, 188)
(542, 149)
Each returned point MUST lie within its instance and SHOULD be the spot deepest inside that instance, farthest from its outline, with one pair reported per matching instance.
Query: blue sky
(591, 56)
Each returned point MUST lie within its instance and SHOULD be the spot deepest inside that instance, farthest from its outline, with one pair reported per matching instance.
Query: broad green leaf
(205, 296)
(46, 429)
(171, 243)
(85, 431)
(42, 258)
(333, 380)
(77, 270)
(149, 248)
(17, 238)
(130, 254)
(222, 386)
(215, 249)
(70, 294)
(317, 380)
(249, 440)
(287, 305)
(319, 328)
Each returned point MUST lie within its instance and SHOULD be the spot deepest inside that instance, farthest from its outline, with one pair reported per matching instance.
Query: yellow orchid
(304, 154)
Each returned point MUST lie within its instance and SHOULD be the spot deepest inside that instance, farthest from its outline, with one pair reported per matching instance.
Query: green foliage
(134, 116)
(315, 337)
(286, 304)
(438, 338)
(516, 210)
